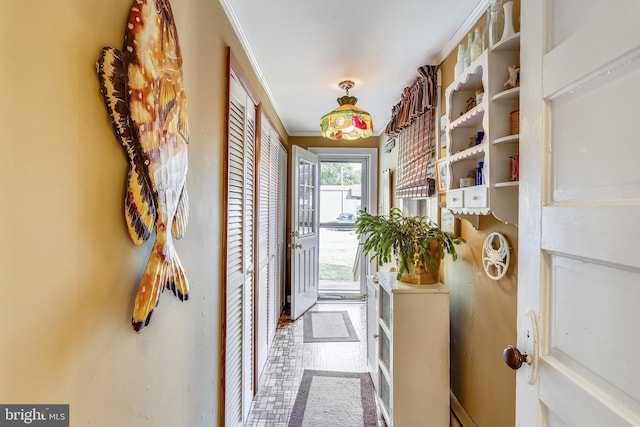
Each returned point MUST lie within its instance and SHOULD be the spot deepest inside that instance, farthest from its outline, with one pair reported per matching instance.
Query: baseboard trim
(458, 411)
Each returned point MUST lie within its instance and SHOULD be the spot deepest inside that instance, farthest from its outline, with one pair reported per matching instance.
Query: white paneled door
(579, 269)
(304, 230)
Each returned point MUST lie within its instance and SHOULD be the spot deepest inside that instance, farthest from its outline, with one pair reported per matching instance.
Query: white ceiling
(302, 49)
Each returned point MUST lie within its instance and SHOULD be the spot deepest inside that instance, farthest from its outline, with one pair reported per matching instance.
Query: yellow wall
(483, 311)
(70, 270)
(319, 141)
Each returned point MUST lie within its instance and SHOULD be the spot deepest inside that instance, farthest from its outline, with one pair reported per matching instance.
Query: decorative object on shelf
(508, 21)
(467, 182)
(514, 77)
(515, 167)
(467, 52)
(496, 255)
(476, 139)
(145, 98)
(442, 175)
(459, 68)
(469, 105)
(514, 125)
(493, 28)
(479, 179)
(476, 46)
(479, 96)
(416, 243)
(347, 121)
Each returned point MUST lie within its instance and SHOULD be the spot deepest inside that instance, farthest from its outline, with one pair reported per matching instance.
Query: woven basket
(515, 122)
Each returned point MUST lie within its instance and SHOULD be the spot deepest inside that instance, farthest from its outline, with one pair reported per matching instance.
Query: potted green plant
(415, 242)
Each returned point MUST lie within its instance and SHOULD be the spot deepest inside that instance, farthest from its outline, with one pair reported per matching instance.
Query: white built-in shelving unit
(498, 194)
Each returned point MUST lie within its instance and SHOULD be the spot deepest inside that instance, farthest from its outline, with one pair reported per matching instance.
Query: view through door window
(340, 204)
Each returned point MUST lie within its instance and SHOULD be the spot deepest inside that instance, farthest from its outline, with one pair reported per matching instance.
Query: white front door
(579, 268)
(304, 231)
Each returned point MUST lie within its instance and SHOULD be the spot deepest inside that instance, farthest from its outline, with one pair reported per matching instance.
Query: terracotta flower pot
(421, 274)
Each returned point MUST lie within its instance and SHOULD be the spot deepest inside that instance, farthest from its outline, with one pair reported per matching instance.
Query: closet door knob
(513, 358)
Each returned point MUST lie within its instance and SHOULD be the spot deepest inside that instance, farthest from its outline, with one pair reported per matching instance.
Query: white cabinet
(413, 353)
(372, 328)
(496, 190)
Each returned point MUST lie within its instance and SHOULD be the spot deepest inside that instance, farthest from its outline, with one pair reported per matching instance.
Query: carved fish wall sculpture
(144, 95)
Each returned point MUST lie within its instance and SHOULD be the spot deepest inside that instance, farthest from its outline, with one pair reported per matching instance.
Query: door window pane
(306, 208)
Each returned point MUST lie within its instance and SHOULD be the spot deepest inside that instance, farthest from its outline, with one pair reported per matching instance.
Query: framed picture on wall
(385, 192)
(443, 131)
(442, 175)
(449, 223)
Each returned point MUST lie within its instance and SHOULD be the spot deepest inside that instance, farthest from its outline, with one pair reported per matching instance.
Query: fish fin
(181, 217)
(167, 99)
(183, 124)
(112, 73)
(139, 209)
(164, 270)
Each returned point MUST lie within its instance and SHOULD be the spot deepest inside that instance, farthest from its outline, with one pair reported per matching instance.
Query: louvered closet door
(281, 224)
(263, 245)
(238, 386)
(271, 229)
(273, 312)
(271, 205)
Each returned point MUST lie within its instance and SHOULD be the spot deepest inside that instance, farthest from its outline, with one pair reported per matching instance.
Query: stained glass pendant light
(347, 121)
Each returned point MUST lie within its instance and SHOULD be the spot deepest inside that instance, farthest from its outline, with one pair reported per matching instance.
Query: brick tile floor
(289, 356)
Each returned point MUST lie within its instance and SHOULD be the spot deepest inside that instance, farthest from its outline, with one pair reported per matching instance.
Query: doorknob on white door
(528, 339)
(514, 359)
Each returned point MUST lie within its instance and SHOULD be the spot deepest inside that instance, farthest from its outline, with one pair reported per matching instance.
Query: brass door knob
(513, 358)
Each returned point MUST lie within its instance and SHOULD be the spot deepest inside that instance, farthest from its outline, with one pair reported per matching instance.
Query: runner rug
(334, 399)
(328, 326)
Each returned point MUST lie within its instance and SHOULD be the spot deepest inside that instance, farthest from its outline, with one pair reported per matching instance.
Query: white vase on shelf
(459, 68)
(495, 23)
(508, 21)
(476, 46)
(467, 52)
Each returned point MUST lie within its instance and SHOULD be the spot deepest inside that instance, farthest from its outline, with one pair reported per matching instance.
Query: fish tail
(164, 270)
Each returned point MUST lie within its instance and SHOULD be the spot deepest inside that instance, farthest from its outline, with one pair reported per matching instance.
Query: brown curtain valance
(414, 101)
(412, 123)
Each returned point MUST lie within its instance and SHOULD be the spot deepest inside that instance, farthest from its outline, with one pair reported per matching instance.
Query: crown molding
(462, 31)
(235, 23)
